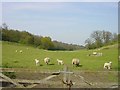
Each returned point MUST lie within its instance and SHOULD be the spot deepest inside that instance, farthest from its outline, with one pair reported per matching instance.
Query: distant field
(14, 59)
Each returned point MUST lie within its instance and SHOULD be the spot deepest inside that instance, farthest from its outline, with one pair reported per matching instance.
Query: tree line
(99, 38)
(41, 42)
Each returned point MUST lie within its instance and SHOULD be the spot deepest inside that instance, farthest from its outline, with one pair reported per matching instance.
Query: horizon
(68, 22)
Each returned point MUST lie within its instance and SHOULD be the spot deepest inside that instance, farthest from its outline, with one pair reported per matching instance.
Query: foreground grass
(14, 59)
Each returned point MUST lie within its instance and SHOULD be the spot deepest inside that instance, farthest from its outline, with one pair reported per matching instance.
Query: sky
(69, 22)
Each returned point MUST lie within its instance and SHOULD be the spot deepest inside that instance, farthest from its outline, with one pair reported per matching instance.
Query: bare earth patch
(81, 79)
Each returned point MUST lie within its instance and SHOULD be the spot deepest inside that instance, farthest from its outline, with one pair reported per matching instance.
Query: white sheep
(21, 51)
(119, 58)
(76, 61)
(36, 62)
(107, 65)
(94, 53)
(47, 60)
(16, 50)
(60, 62)
(99, 54)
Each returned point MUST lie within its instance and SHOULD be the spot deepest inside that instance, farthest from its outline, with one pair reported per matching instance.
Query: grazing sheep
(21, 51)
(16, 50)
(94, 53)
(60, 62)
(75, 61)
(36, 62)
(99, 54)
(119, 58)
(107, 65)
(47, 60)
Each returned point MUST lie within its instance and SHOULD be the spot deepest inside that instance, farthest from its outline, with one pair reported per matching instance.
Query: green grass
(26, 59)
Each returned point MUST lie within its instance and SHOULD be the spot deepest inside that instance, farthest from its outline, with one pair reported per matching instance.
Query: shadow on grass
(40, 65)
(79, 65)
(51, 64)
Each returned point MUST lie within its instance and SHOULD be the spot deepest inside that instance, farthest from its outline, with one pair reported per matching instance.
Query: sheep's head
(110, 62)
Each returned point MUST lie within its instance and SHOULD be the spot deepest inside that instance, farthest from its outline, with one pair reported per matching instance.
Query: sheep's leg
(105, 67)
(109, 67)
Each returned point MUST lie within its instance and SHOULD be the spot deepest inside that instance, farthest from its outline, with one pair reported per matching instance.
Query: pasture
(14, 59)
(91, 67)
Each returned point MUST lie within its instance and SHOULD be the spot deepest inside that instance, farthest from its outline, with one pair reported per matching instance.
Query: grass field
(14, 59)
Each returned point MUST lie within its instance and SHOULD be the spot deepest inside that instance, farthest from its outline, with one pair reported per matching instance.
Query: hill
(24, 37)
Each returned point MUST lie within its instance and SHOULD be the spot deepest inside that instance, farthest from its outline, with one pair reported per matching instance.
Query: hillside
(41, 42)
(11, 58)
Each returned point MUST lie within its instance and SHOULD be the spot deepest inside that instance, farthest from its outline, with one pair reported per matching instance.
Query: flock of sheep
(96, 54)
(75, 61)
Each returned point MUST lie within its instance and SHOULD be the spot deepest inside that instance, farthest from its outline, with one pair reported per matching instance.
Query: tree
(47, 43)
(107, 36)
(26, 38)
(0, 33)
(97, 36)
(37, 40)
(101, 38)
(90, 44)
(4, 26)
(115, 38)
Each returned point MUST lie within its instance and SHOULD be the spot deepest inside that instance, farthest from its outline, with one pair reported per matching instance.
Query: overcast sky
(69, 22)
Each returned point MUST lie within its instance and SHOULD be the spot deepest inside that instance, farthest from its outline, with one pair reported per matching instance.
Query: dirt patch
(31, 75)
(80, 79)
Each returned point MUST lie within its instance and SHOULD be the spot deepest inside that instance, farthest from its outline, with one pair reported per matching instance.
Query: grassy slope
(26, 59)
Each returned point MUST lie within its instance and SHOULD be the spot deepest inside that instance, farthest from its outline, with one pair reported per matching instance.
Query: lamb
(47, 60)
(75, 61)
(21, 51)
(60, 62)
(36, 62)
(107, 65)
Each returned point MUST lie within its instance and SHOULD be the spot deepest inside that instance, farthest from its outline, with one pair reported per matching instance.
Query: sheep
(21, 51)
(75, 61)
(47, 60)
(119, 58)
(36, 62)
(107, 65)
(94, 53)
(16, 50)
(60, 62)
(99, 54)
